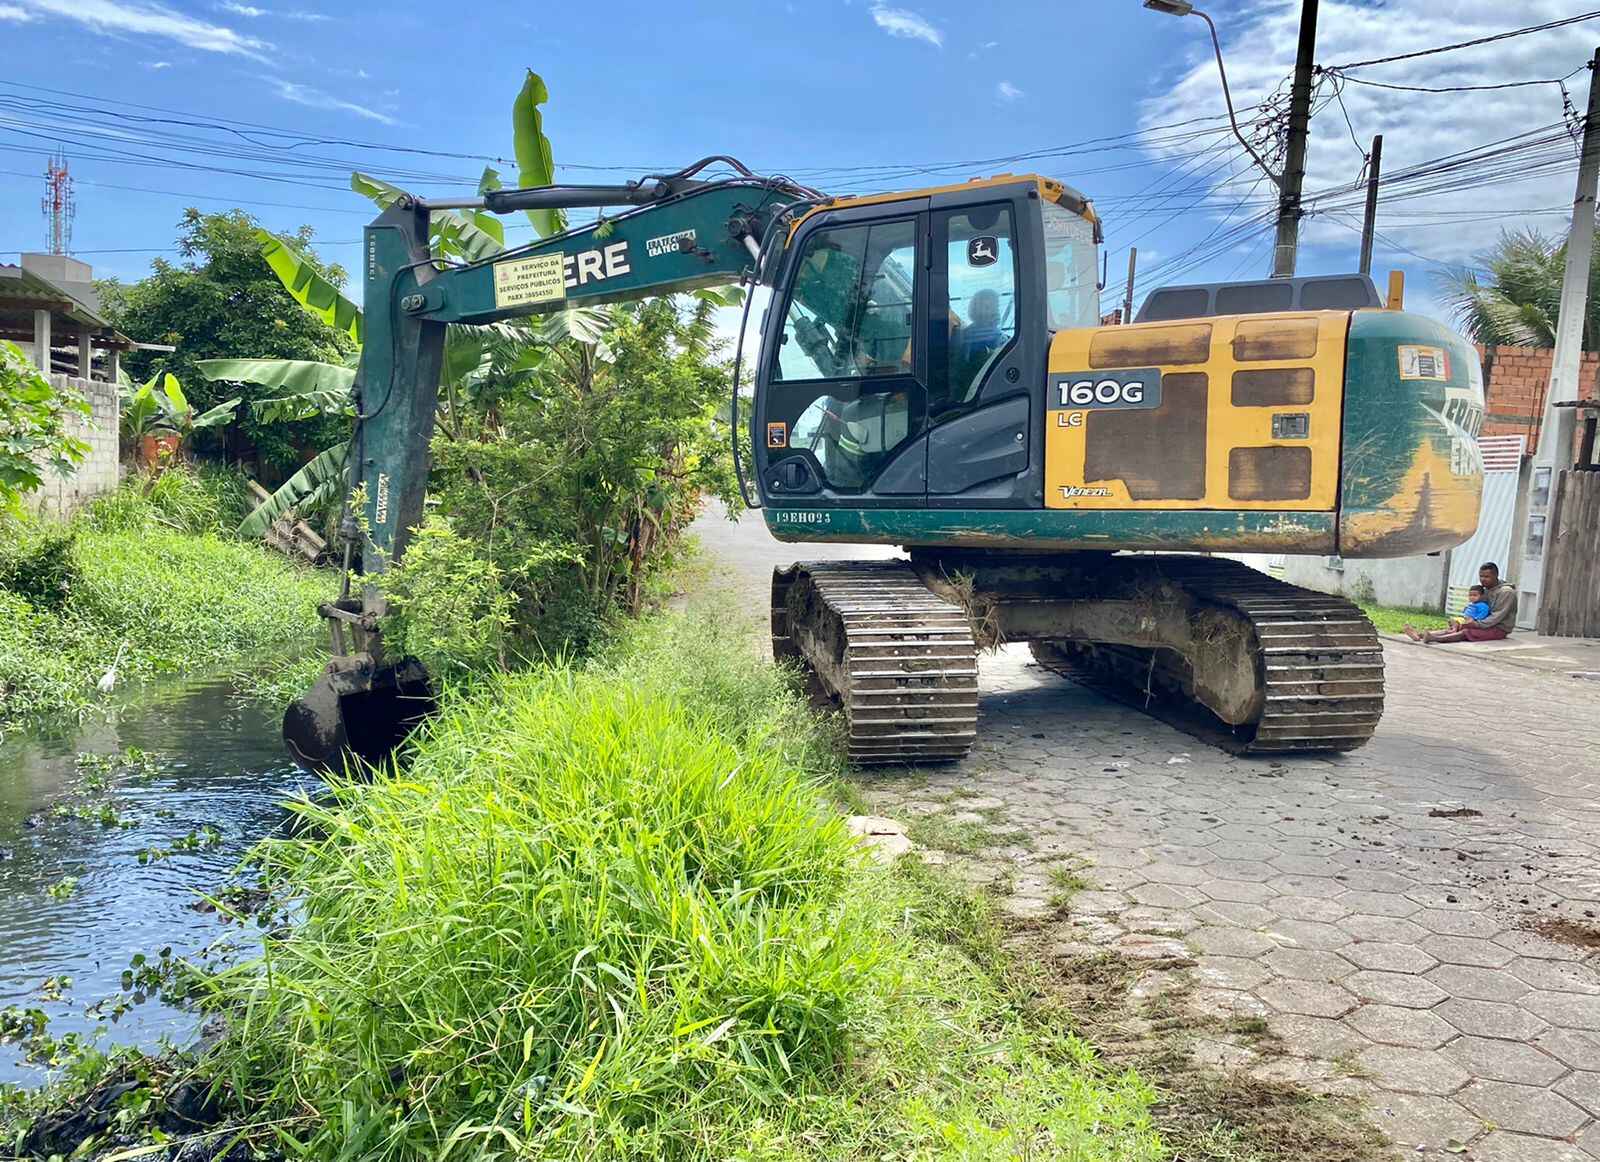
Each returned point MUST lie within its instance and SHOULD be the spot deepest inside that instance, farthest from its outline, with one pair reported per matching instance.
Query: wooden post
(85, 354)
(41, 340)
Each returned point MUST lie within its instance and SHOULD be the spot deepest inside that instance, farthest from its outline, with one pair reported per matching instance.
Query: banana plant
(158, 407)
(319, 482)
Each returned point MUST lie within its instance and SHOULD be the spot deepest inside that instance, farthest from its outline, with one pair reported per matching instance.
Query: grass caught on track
(608, 913)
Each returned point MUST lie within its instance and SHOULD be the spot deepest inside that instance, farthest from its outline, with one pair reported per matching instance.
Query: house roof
(23, 291)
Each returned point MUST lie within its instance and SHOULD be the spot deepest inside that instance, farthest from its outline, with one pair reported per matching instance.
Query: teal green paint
(1387, 418)
(1195, 530)
(640, 253)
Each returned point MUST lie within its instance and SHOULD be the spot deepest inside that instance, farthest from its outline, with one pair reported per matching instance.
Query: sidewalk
(1568, 656)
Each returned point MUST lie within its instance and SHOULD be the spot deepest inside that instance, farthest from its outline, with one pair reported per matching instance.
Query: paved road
(1409, 918)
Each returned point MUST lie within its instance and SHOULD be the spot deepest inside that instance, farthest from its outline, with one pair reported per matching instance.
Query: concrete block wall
(101, 469)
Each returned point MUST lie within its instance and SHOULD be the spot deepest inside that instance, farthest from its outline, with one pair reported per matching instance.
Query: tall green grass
(607, 913)
(168, 600)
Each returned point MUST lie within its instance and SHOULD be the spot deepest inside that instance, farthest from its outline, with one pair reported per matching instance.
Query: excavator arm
(679, 232)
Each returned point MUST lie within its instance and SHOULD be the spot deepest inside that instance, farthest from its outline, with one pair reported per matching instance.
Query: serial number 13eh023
(933, 374)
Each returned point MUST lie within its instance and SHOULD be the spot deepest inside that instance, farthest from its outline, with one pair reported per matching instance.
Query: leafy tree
(33, 427)
(1518, 303)
(223, 300)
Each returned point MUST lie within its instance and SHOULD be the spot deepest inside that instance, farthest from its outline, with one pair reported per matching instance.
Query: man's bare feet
(1411, 632)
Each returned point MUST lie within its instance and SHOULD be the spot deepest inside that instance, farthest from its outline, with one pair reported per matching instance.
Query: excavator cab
(903, 355)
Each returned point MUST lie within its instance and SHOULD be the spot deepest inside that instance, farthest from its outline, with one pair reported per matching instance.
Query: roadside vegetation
(143, 582)
(609, 911)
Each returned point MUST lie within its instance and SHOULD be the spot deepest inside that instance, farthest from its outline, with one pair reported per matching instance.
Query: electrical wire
(1406, 56)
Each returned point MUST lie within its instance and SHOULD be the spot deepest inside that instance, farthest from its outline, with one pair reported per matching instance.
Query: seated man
(1497, 624)
(981, 335)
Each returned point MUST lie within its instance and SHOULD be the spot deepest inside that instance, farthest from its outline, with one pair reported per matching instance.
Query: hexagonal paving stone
(1227, 1003)
(1167, 895)
(1570, 1046)
(1243, 891)
(1385, 957)
(1583, 1090)
(1502, 1146)
(1557, 976)
(1378, 904)
(1478, 984)
(1391, 1025)
(1309, 934)
(1307, 964)
(1492, 1018)
(1566, 1010)
(1523, 1108)
(1411, 1119)
(1468, 950)
(1176, 873)
(1233, 912)
(1412, 1070)
(1323, 1037)
(1312, 998)
(1505, 1060)
(1396, 988)
(1230, 972)
(1308, 908)
(1220, 941)
(1459, 922)
(1539, 947)
(1388, 929)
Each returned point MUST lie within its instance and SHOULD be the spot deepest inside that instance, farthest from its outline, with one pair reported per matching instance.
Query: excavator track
(1319, 662)
(874, 641)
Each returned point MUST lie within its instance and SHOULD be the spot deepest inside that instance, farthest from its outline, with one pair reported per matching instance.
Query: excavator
(934, 374)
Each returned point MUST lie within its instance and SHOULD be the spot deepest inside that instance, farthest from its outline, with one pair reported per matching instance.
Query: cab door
(842, 401)
(987, 341)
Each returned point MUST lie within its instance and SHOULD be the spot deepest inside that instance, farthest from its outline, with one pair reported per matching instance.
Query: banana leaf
(312, 485)
(308, 388)
(473, 238)
(313, 292)
(535, 162)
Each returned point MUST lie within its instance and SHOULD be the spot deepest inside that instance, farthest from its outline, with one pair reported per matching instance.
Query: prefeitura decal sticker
(777, 435)
(1424, 362)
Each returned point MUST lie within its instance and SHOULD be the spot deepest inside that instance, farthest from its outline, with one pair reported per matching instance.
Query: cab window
(850, 315)
(1069, 266)
(981, 311)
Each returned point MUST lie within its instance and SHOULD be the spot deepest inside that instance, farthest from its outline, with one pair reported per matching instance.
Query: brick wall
(100, 470)
(1515, 380)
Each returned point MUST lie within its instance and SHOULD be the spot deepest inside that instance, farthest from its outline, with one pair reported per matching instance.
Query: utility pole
(1369, 223)
(1294, 167)
(1127, 298)
(1556, 429)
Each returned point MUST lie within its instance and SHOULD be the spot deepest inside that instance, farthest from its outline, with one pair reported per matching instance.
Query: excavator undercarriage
(1209, 645)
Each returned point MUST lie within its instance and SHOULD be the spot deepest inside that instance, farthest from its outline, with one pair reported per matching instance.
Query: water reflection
(223, 767)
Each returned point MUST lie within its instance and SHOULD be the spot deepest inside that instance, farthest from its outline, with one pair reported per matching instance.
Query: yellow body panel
(1048, 189)
(1278, 347)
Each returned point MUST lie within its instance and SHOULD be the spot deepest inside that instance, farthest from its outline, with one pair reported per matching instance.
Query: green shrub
(448, 605)
(36, 562)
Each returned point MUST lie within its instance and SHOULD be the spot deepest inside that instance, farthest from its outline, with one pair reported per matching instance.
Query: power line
(1406, 56)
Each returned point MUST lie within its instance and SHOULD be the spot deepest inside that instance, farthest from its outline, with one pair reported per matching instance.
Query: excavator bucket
(357, 711)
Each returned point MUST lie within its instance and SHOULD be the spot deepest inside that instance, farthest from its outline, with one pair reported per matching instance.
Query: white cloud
(1006, 91)
(317, 99)
(12, 12)
(904, 23)
(128, 17)
(155, 66)
(251, 12)
(1465, 214)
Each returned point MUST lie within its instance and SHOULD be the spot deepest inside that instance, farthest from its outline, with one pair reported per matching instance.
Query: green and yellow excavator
(934, 374)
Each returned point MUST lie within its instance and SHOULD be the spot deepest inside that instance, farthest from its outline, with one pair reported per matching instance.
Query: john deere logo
(983, 250)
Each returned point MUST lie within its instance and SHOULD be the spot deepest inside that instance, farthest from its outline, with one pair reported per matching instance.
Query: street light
(1185, 8)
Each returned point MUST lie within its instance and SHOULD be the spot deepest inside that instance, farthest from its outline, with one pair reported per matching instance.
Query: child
(1476, 608)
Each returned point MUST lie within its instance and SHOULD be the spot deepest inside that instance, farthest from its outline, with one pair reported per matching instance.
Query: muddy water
(215, 787)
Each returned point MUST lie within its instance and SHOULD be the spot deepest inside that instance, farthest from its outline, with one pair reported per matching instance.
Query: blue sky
(849, 96)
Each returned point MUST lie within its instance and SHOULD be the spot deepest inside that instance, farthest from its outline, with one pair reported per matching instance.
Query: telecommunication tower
(57, 204)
